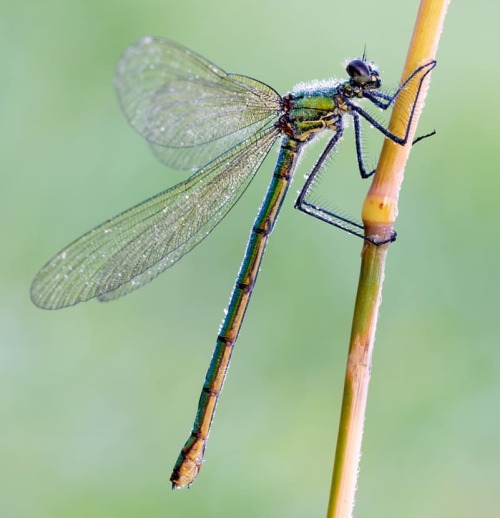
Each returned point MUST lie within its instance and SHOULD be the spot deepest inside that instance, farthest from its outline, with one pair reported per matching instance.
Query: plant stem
(379, 213)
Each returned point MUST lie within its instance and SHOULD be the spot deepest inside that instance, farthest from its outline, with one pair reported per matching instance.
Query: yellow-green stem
(379, 213)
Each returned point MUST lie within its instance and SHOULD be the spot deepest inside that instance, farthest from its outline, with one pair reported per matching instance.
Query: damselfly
(197, 117)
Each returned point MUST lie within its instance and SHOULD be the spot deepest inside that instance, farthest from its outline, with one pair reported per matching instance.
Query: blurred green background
(98, 399)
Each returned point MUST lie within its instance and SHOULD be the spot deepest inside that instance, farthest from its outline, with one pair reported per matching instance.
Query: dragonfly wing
(176, 99)
(134, 247)
(197, 156)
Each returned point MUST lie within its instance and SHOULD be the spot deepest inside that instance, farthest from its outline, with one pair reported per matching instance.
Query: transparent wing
(197, 156)
(132, 248)
(177, 99)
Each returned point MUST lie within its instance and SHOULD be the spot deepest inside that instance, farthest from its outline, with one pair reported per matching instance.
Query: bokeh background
(97, 400)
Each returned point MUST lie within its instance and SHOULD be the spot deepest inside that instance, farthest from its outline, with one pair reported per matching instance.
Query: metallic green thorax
(310, 109)
(310, 112)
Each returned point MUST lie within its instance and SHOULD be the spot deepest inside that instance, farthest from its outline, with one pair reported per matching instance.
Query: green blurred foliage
(98, 399)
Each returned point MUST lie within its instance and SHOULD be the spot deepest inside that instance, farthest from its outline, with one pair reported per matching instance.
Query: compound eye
(359, 71)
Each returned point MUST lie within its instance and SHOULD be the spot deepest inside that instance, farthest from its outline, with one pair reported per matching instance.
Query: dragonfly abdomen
(191, 457)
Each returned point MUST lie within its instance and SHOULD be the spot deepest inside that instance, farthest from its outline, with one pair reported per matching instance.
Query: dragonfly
(220, 126)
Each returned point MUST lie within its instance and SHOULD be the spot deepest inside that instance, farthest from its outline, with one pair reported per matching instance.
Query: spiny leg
(323, 214)
(308, 207)
(359, 148)
(299, 203)
(389, 100)
(376, 98)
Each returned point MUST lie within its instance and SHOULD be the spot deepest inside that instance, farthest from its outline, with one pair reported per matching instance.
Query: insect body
(197, 117)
